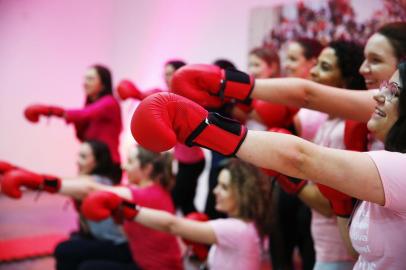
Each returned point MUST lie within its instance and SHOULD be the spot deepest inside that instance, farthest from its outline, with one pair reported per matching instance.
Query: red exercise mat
(28, 247)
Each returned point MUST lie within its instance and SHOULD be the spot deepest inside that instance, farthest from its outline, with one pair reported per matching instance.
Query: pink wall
(46, 46)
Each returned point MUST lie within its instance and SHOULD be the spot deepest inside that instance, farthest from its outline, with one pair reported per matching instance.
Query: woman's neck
(145, 183)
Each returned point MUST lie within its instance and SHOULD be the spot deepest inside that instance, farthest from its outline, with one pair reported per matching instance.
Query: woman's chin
(218, 208)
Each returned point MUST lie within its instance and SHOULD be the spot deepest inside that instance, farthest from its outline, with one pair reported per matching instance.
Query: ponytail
(161, 166)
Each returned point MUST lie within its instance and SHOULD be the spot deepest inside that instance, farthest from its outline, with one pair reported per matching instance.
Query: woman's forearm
(77, 188)
(81, 186)
(353, 173)
(163, 221)
(349, 104)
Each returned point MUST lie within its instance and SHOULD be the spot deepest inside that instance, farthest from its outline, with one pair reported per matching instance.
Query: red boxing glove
(208, 85)
(290, 185)
(102, 205)
(33, 112)
(13, 180)
(151, 92)
(341, 204)
(274, 115)
(163, 119)
(5, 167)
(356, 136)
(200, 250)
(126, 89)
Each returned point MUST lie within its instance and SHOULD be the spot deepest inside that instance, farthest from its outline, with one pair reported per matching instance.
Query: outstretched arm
(201, 232)
(353, 173)
(348, 104)
(102, 204)
(79, 187)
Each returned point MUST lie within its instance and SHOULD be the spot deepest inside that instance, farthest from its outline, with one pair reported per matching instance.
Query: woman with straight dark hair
(99, 119)
(94, 240)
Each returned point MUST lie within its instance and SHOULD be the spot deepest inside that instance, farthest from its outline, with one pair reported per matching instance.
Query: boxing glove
(13, 180)
(126, 89)
(274, 115)
(356, 136)
(6, 167)
(209, 85)
(102, 205)
(151, 92)
(341, 204)
(200, 250)
(163, 119)
(33, 112)
(289, 184)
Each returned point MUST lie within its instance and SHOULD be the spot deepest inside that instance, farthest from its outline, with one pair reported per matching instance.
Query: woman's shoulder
(233, 224)
(108, 100)
(384, 157)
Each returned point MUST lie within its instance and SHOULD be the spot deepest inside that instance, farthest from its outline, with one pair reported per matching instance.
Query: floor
(35, 214)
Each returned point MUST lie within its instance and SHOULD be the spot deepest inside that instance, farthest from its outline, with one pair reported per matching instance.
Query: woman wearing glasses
(378, 225)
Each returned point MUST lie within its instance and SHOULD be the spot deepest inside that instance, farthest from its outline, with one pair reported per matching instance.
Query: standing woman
(337, 66)
(191, 160)
(378, 227)
(243, 193)
(366, 178)
(99, 119)
(293, 215)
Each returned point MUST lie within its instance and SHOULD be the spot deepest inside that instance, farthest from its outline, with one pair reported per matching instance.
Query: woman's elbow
(172, 225)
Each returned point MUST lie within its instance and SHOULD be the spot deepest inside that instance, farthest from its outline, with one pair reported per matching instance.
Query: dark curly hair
(311, 47)
(350, 56)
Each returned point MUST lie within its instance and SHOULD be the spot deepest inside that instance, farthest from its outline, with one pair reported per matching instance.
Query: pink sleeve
(229, 231)
(310, 121)
(392, 170)
(97, 109)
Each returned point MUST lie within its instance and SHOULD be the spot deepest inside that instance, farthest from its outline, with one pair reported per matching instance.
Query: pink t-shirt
(101, 121)
(188, 155)
(238, 245)
(328, 242)
(310, 122)
(152, 249)
(378, 233)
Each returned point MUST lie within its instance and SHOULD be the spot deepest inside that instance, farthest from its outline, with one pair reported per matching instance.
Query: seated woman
(150, 178)
(94, 240)
(243, 193)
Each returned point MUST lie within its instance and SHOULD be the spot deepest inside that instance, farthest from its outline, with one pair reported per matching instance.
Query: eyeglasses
(389, 90)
